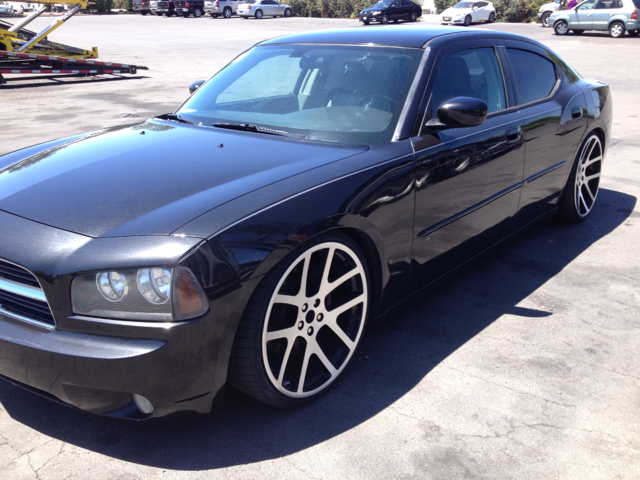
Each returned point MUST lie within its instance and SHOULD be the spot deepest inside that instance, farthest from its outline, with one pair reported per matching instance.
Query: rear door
(603, 11)
(553, 112)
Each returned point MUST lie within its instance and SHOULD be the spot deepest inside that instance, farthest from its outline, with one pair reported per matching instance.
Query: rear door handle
(576, 113)
(514, 134)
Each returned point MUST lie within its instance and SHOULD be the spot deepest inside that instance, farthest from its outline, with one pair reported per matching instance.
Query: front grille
(21, 296)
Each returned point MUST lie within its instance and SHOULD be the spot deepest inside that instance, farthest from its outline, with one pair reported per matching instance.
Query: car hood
(371, 10)
(150, 178)
(452, 12)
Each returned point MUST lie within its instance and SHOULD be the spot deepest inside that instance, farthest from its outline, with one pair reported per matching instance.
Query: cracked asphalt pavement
(522, 365)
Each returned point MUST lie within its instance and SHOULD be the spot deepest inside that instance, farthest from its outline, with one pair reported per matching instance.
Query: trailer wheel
(287, 12)
(258, 14)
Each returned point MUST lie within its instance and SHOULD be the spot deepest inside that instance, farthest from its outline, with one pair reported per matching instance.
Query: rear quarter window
(535, 76)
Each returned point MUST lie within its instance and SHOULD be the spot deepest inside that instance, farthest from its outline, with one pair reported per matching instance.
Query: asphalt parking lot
(523, 365)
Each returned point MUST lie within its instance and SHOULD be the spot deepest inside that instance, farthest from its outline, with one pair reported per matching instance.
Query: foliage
(103, 6)
(123, 5)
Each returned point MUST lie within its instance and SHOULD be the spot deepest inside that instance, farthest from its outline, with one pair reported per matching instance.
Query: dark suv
(189, 7)
(166, 8)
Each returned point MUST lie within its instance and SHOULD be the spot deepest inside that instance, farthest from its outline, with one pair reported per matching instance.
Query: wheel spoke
(592, 160)
(593, 197)
(588, 155)
(584, 204)
(289, 333)
(305, 366)
(346, 306)
(340, 333)
(325, 274)
(287, 299)
(591, 177)
(285, 361)
(325, 361)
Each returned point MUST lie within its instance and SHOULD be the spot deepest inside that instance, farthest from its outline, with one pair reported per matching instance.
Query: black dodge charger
(301, 193)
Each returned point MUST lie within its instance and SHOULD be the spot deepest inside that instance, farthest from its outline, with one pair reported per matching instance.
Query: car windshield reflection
(346, 94)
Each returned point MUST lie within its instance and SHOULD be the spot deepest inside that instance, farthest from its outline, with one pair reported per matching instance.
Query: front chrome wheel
(303, 324)
(314, 320)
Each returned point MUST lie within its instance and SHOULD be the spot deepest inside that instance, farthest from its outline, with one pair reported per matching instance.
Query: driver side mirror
(459, 112)
(195, 85)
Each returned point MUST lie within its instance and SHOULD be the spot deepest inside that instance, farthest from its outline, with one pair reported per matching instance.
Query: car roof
(393, 36)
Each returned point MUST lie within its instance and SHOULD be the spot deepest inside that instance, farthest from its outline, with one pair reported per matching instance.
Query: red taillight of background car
(248, 7)
(634, 15)
(217, 4)
(186, 4)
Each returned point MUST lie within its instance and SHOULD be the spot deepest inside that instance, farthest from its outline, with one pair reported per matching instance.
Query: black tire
(227, 12)
(185, 15)
(580, 192)
(258, 14)
(561, 27)
(270, 360)
(467, 21)
(544, 20)
(287, 12)
(144, 12)
(197, 12)
(413, 17)
(634, 33)
(384, 19)
(214, 15)
(492, 17)
(366, 22)
(578, 32)
(617, 29)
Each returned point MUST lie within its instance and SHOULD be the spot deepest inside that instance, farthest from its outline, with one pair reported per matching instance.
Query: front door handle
(514, 134)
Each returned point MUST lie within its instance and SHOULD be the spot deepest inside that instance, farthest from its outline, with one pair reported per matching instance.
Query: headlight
(378, 12)
(153, 294)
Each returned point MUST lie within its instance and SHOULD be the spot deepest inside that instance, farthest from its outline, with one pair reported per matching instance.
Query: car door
(480, 13)
(468, 179)
(554, 120)
(582, 18)
(395, 10)
(603, 11)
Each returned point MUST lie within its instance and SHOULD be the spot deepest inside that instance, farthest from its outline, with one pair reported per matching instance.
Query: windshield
(345, 94)
(463, 5)
(382, 4)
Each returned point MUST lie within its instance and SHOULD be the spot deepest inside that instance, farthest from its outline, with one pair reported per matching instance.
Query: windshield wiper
(173, 116)
(246, 127)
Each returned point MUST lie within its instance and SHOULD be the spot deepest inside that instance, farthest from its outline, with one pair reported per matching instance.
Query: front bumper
(97, 364)
(101, 374)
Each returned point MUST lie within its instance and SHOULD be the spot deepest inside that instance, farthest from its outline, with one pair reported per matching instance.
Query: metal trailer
(24, 51)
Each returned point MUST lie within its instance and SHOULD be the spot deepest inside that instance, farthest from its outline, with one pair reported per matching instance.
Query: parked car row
(215, 8)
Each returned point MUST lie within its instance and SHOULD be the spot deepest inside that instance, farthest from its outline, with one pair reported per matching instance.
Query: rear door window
(535, 76)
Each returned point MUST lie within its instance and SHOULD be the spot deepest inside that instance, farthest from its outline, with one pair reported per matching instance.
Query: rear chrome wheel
(492, 18)
(287, 12)
(616, 29)
(303, 324)
(583, 184)
(413, 17)
(258, 14)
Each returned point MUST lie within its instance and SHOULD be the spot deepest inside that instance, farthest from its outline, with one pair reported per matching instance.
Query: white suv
(226, 8)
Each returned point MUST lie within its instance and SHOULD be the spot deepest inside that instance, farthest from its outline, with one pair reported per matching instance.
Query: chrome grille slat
(21, 296)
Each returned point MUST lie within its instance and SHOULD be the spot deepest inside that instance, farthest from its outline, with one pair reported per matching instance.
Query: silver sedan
(263, 8)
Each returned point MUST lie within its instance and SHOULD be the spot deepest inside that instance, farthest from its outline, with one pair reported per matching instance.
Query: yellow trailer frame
(15, 38)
